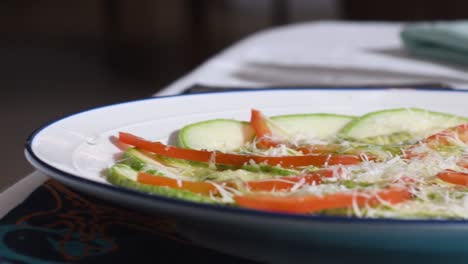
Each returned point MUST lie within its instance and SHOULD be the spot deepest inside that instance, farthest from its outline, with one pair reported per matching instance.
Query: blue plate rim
(228, 209)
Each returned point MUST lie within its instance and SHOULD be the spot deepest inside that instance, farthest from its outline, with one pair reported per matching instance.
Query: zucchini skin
(312, 115)
(393, 136)
(183, 137)
(116, 177)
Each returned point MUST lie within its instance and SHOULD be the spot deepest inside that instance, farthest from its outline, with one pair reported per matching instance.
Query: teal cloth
(446, 41)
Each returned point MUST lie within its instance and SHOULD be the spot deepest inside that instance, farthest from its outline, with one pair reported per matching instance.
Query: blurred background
(58, 57)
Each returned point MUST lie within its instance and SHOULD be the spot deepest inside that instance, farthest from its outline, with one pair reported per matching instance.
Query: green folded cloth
(447, 41)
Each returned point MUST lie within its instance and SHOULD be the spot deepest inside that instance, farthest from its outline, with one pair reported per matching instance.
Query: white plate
(77, 149)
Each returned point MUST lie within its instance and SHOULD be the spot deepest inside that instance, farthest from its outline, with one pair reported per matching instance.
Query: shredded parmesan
(382, 166)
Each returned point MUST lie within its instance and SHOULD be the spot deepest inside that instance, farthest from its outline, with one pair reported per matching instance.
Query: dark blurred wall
(404, 10)
(58, 57)
(50, 18)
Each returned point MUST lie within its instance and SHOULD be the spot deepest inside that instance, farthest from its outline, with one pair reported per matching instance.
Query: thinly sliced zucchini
(217, 134)
(230, 135)
(309, 126)
(139, 160)
(398, 125)
(144, 161)
(124, 176)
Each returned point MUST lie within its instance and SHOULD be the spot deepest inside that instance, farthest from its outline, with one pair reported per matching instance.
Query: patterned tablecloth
(56, 224)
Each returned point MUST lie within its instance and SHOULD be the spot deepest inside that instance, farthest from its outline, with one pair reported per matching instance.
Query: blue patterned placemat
(56, 224)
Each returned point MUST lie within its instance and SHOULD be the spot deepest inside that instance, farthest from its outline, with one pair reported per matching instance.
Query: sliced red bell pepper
(319, 149)
(310, 204)
(281, 184)
(286, 183)
(236, 159)
(277, 184)
(445, 137)
(455, 177)
(262, 131)
(197, 187)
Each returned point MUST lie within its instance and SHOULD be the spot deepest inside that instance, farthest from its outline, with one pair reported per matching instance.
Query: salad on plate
(407, 163)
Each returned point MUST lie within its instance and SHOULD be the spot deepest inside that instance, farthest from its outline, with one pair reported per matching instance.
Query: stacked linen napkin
(445, 41)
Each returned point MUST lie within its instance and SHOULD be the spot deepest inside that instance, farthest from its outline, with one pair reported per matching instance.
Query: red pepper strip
(331, 148)
(454, 177)
(196, 187)
(287, 182)
(444, 138)
(262, 131)
(310, 204)
(318, 149)
(281, 184)
(236, 159)
(278, 184)
(439, 139)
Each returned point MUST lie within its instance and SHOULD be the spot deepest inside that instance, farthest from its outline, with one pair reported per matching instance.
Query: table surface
(309, 54)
